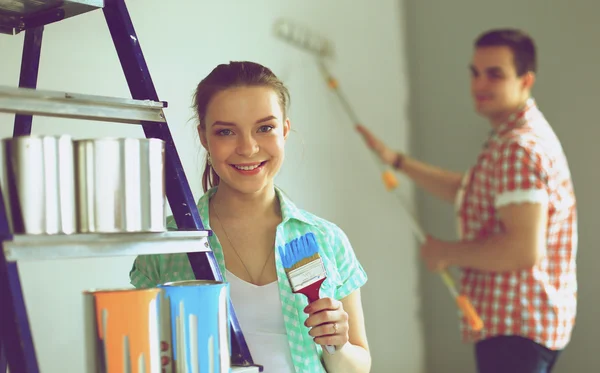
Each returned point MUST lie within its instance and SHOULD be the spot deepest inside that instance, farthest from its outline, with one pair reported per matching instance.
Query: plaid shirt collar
(515, 120)
(288, 208)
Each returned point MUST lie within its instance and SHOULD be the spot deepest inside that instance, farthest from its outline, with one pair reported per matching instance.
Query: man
(517, 216)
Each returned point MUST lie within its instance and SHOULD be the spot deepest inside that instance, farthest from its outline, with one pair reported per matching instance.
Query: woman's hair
(232, 75)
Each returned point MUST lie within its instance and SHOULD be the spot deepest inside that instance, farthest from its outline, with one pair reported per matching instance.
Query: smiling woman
(243, 125)
(244, 131)
(240, 88)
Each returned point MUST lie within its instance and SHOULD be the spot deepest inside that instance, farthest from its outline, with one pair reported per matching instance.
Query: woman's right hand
(387, 155)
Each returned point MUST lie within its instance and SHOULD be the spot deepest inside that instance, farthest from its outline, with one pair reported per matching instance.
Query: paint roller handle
(469, 312)
(385, 154)
(389, 180)
(462, 301)
(415, 226)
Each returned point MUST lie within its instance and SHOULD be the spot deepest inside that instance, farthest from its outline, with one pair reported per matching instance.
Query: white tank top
(258, 310)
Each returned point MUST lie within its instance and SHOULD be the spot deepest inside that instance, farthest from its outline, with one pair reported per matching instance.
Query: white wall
(449, 134)
(328, 170)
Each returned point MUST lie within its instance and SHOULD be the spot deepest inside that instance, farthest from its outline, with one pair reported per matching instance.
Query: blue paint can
(199, 326)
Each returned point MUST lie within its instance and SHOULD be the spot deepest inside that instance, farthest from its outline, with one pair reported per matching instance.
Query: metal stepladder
(16, 344)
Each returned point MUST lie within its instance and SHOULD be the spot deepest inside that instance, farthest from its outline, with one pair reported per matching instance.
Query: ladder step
(90, 245)
(78, 106)
(239, 369)
(19, 15)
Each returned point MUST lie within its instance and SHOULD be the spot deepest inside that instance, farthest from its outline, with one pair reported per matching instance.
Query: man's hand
(520, 245)
(387, 155)
(435, 252)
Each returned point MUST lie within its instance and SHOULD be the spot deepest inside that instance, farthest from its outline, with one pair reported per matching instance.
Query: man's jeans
(513, 354)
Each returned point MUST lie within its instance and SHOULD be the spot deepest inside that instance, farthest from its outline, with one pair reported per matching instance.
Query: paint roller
(305, 39)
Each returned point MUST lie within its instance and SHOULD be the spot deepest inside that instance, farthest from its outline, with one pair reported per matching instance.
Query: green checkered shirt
(344, 272)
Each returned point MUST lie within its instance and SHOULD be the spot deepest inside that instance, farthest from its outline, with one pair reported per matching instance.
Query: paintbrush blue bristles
(298, 249)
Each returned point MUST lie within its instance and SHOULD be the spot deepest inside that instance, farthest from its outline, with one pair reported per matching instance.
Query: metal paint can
(127, 331)
(39, 184)
(199, 326)
(120, 185)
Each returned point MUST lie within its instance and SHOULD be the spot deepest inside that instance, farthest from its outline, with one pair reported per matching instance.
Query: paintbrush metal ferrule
(307, 275)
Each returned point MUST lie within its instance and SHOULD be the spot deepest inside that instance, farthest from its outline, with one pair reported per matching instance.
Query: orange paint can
(127, 331)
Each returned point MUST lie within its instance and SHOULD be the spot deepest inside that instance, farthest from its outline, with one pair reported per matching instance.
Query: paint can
(38, 183)
(127, 331)
(199, 326)
(120, 185)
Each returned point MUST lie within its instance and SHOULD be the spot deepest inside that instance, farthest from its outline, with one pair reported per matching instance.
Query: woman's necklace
(236, 252)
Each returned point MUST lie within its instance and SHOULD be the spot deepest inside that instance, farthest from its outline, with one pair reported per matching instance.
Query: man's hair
(520, 43)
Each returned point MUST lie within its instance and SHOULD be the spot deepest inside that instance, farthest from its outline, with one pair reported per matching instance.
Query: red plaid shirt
(523, 161)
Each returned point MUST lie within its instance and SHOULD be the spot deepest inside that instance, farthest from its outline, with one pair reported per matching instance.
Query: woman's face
(245, 135)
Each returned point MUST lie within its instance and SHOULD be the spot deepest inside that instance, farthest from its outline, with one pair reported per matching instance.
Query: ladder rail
(3, 362)
(21, 356)
(30, 64)
(15, 332)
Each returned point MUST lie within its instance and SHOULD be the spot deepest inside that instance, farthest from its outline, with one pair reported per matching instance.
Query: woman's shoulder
(344, 271)
(332, 239)
(328, 227)
(297, 218)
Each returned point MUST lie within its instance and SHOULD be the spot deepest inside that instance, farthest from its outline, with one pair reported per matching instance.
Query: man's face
(497, 90)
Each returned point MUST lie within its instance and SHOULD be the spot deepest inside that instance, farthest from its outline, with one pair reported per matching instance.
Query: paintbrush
(304, 268)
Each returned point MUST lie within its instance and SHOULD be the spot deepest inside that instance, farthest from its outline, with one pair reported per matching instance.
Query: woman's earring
(208, 160)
